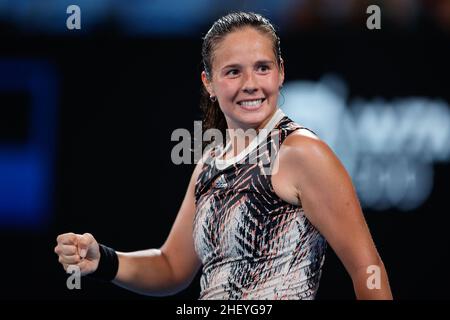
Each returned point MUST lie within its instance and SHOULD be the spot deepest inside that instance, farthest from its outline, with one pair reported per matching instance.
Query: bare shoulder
(304, 147)
(304, 161)
(290, 162)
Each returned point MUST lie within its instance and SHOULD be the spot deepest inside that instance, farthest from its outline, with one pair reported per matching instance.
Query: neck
(239, 138)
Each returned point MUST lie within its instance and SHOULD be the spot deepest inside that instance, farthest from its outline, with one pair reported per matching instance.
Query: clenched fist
(80, 250)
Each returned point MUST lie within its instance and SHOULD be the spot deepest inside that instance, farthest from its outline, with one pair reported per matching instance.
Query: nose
(250, 86)
(250, 90)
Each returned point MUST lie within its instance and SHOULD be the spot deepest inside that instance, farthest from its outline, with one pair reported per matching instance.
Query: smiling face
(245, 78)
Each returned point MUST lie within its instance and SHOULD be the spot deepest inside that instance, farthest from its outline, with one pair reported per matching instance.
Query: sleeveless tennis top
(253, 244)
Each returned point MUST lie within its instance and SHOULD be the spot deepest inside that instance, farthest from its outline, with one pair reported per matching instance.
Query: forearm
(146, 272)
(372, 283)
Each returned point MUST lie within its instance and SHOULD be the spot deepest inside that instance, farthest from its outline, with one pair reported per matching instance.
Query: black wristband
(108, 265)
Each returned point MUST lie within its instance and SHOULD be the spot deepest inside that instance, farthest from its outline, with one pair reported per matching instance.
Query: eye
(232, 72)
(263, 68)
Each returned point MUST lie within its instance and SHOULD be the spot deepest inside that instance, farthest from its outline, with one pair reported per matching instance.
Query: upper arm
(179, 245)
(329, 200)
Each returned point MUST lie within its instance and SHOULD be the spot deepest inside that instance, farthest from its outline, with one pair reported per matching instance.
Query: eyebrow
(236, 65)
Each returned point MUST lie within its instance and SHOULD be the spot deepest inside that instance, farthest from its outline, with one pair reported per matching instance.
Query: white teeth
(251, 103)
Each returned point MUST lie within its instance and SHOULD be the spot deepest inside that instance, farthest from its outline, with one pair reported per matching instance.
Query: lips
(251, 104)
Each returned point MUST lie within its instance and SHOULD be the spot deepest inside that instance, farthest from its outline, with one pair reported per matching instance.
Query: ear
(207, 84)
(281, 81)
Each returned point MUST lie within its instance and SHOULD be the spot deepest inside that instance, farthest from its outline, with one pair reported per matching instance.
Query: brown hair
(213, 117)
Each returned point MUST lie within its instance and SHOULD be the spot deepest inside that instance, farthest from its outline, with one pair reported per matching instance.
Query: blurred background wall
(86, 118)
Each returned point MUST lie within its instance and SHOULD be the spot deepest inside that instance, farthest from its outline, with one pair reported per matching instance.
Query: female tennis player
(256, 233)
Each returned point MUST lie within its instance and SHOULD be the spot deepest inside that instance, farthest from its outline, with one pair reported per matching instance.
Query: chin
(254, 118)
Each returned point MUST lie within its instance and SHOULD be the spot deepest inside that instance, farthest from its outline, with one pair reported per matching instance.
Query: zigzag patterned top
(253, 244)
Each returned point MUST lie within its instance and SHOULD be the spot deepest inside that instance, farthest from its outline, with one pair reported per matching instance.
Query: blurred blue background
(86, 117)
